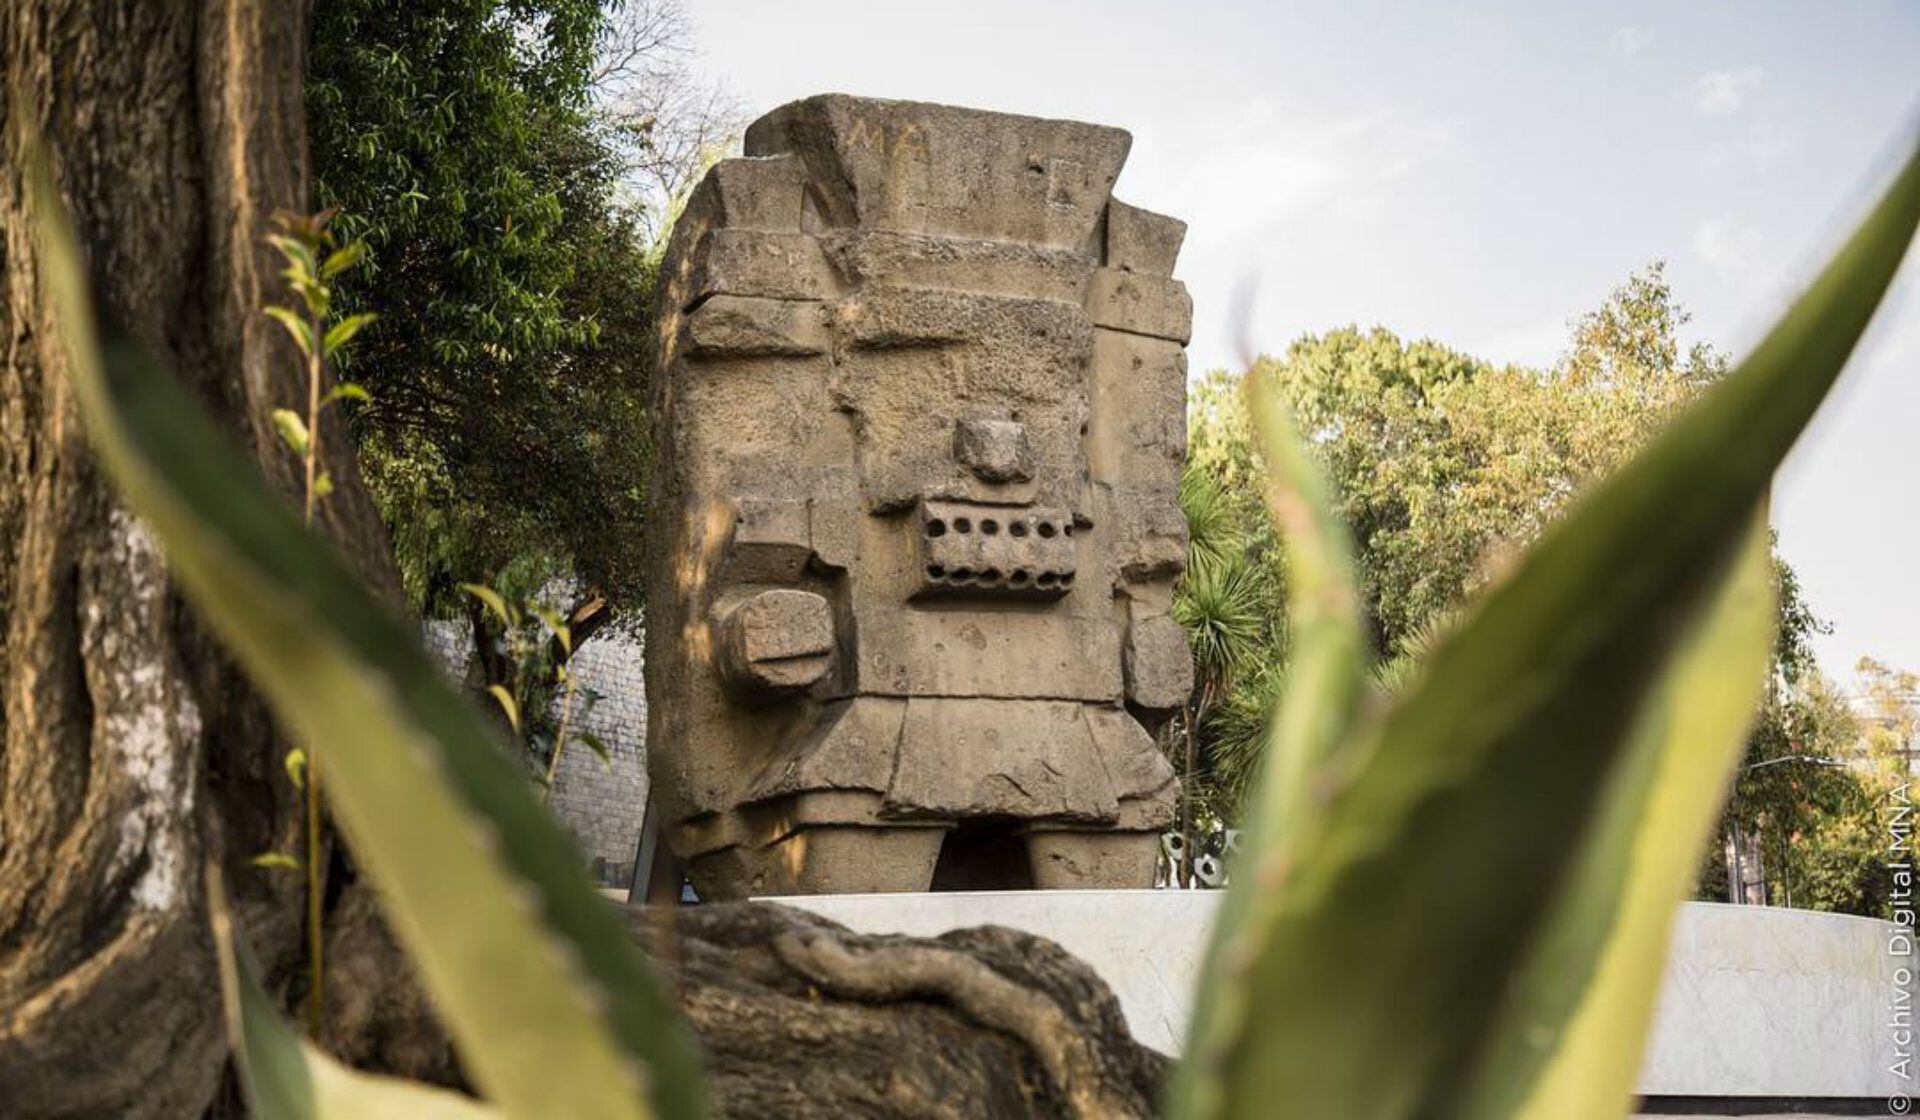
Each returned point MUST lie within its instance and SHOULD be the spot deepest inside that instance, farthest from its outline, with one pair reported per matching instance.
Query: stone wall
(600, 802)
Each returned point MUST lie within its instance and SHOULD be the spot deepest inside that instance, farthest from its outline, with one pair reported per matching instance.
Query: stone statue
(920, 418)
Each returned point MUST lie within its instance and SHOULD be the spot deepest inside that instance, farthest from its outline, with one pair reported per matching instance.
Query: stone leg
(856, 859)
(1092, 860)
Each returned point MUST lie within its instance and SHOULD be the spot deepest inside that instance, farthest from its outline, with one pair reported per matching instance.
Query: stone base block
(1088, 860)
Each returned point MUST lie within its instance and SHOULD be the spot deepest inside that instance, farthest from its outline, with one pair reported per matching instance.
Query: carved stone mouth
(968, 549)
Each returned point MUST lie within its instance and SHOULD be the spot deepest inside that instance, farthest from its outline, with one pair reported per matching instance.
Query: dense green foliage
(1445, 466)
(506, 437)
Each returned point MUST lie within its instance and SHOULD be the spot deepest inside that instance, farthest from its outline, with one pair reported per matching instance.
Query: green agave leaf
(1326, 679)
(285, 1078)
(1584, 999)
(1327, 673)
(552, 1008)
(1439, 846)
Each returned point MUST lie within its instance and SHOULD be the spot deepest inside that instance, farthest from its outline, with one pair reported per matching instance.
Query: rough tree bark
(805, 1020)
(132, 750)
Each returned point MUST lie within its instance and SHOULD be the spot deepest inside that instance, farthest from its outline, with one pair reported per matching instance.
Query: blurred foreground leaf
(1463, 892)
(287, 1078)
(553, 1010)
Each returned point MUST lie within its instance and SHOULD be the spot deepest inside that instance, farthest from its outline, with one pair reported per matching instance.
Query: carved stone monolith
(920, 418)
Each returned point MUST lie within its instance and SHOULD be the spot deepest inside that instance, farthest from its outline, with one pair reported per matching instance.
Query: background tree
(1444, 467)
(508, 165)
(1229, 604)
(1824, 829)
(1445, 463)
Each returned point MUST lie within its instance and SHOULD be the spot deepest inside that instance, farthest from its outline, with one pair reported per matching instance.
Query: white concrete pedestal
(1759, 1002)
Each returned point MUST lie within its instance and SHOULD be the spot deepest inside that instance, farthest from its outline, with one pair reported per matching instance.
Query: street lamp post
(1736, 878)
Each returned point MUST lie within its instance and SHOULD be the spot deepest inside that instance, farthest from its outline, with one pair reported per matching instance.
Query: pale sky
(1478, 173)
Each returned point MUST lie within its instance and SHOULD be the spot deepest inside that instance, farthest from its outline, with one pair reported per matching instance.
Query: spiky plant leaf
(1222, 605)
(553, 1010)
(285, 1077)
(1387, 916)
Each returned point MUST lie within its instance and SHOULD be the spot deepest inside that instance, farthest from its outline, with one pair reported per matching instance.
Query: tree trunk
(132, 750)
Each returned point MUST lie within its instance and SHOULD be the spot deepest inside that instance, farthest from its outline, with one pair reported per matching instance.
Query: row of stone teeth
(993, 577)
(988, 527)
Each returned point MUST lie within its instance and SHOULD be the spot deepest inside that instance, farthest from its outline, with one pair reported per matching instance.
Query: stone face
(919, 425)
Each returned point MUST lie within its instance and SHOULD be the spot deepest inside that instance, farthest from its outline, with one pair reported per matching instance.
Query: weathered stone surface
(767, 193)
(748, 326)
(1156, 306)
(995, 450)
(763, 263)
(919, 422)
(1002, 552)
(936, 169)
(1141, 240)
(1158, 666)
(777, 641)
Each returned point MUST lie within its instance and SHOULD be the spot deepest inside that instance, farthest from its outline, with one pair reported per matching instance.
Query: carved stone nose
(994, 450)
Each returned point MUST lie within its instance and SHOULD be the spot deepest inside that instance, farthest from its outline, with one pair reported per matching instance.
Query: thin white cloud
(1267, 163)
(1757, 146)
(1728, 247)
(1721, 93)
(1631, 40)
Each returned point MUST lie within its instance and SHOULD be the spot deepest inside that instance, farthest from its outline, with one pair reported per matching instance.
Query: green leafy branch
(312, 264)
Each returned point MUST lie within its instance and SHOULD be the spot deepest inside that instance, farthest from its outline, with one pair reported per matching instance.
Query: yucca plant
(1225, 604)
(1451, 905)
